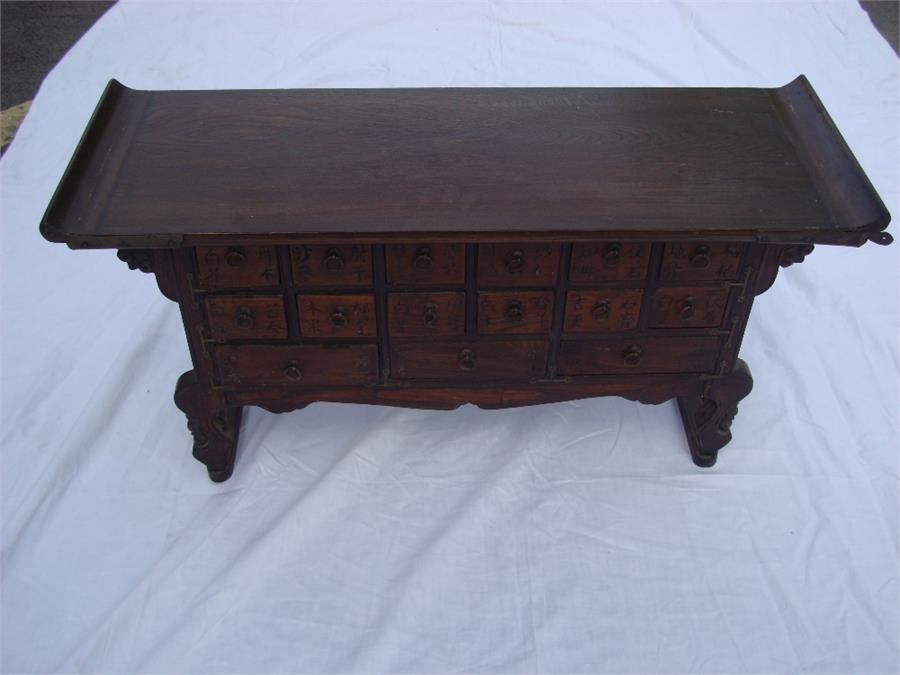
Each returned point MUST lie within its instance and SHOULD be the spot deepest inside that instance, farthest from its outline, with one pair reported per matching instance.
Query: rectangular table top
(161, 168)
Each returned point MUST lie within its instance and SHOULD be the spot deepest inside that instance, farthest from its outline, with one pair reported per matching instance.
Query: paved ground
(34, 36)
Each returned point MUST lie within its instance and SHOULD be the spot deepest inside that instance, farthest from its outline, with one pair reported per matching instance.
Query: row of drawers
(336, 316)
(524, 264)
(459, 361)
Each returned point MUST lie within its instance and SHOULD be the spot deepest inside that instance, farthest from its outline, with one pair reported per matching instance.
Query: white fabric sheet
(567, 537)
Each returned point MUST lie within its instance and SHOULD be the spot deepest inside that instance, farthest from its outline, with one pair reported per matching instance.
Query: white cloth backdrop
(568, 537)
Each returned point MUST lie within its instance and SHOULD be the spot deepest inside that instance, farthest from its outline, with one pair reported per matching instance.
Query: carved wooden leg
(707, 419)
(215, 427)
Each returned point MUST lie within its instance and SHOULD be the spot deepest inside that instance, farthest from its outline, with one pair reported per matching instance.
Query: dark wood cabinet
(434, 247)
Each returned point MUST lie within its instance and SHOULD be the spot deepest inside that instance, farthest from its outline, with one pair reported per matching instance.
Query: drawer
(699, 261)
(517, 264)
(415, 314)
(687, 307)
(245, 317)
(266, 365)
(637, 355)
(345, 265)
(424, 264)
(514, 312)
(599, 311)
(609, 261)
(336, 316)
(237, 267)
(470, 360)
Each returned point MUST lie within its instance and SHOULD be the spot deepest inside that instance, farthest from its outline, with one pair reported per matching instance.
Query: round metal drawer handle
(334, 261)
(244, 317)
(515, 311)
(429, 313)
(293, 371)
(632, 356)
(600, 311)
(423, 261)
(235, 257)
(687, 309)
(467, 359)
(701, 257)
(339, 316)
(612, 256)
(515, 262)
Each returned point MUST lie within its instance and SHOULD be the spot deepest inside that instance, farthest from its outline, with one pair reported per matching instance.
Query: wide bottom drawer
(265, 365)
(637, 355)
(470, 360)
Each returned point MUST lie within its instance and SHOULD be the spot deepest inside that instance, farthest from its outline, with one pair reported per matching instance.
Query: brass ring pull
(339, 316)
(515, 262)
(235, 256)
(701, 257)
(515, 311)
(467, 359)
(423, 261)
(429, 313)
(632, 356)
(600, 311)
(293, 371)
(687, 308)
(244, 317)
(612, 255)
(334, 261)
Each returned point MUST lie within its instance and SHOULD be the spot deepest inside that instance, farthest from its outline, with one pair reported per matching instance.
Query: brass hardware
(632, 356)
(235, 256)
(702, 256)
(687, 308)
(515, 311)
(467, 359)
(600, 311)
(293, 371)
(423, 261)
(612, 255)
(741, 284)
(735, 322)
(244, 317)
(429, 313)
(515, 261)
(334, 260)
(339, 316)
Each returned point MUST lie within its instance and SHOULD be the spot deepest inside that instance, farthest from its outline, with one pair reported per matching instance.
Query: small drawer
(699, 261)
(415, 314)
(686, 307)
(249, 317)
(512, 313)
(517, 264)
(426, 264)
(237, 267)
(266, 365)
(336, 316)
(609, 261)
(623, 356)
(602, 311)
(345, 265)
(470, 360)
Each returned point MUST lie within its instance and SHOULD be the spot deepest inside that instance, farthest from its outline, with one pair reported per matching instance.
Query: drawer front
(265, 365)
(237, 267)
(345, 265)
(602, 311)
(470, 360)
(699, 261)
(637, 355)
(416, 314)
(609, 261)
(426, 264)
(517, 264)
(510, 312)
(245, 318)
(686, 307)
(337, 316)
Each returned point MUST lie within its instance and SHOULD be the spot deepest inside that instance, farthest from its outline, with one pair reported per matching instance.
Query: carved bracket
(137, 259)
(795, 253)
(155, 261)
